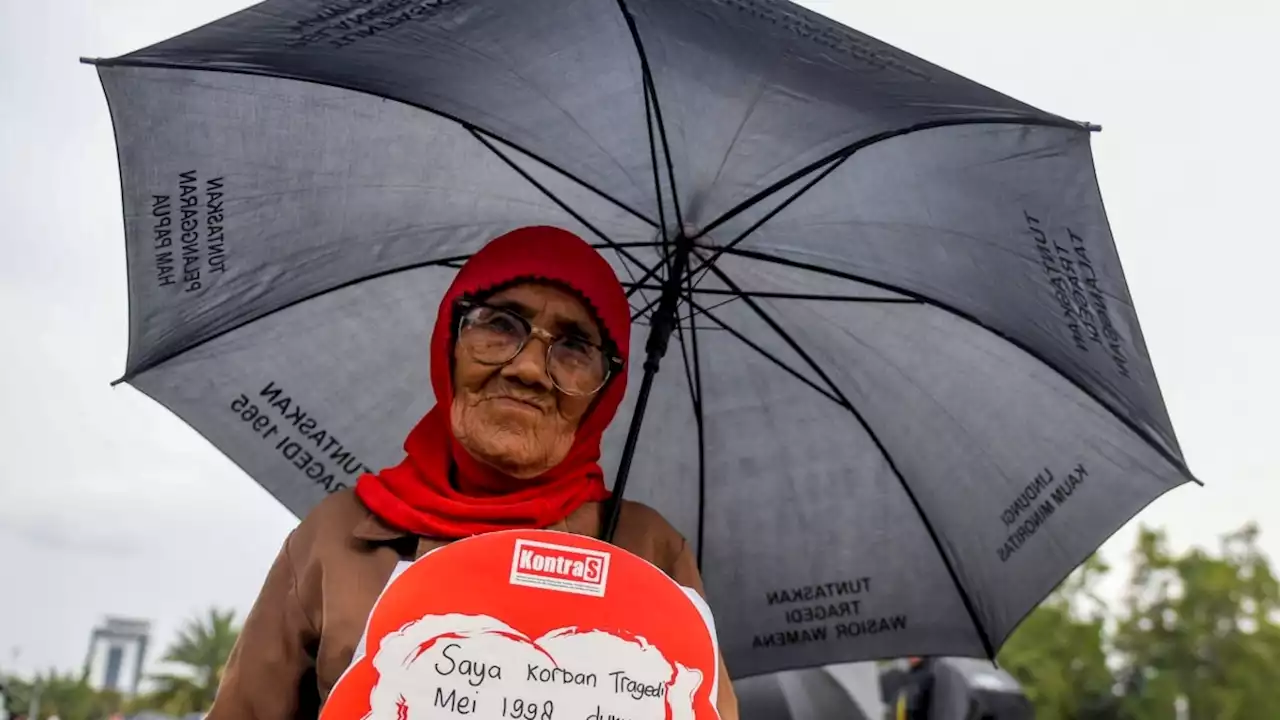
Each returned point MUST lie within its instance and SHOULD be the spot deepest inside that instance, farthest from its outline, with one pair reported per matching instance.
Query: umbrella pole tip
(1092, 127)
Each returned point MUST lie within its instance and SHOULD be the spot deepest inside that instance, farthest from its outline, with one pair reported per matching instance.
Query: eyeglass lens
(494, 336)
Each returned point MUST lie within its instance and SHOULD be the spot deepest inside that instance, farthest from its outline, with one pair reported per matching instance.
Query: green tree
(68, 696)
(17, 693)
(1059, 653)
(201, 650)
(1202, 625)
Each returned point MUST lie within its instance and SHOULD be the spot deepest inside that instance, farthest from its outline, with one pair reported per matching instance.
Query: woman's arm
(685, 572)
(727, 702)
(263, 676)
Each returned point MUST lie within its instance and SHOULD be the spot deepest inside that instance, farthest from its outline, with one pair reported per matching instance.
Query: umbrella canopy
(907, 390)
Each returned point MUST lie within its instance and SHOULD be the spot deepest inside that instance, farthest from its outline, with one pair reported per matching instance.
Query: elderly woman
(527, 365)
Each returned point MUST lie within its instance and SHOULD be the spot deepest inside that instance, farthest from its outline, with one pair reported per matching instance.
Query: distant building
(117, 651)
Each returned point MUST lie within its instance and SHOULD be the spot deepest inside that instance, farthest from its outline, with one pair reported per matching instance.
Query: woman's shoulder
(336, 518)
(647, 533)
(338, 536)
(341, 507)
(648, 519)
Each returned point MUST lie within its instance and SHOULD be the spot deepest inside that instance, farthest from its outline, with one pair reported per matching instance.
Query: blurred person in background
(915, 699)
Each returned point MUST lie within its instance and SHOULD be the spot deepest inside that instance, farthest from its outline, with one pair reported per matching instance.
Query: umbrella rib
(844, 152)
(653, 162)
(650, 88)
(675, 201)
(627, 267)
(926, 300)
(770, 356)
(130, 62)
(981, 631)
(695, 397)
(694, 313)
(653, 271)
(439, 262)
(662, 213)
(643, 278)
(452, 262)
(698, 417)
(648, 306)
(796, 296)
(662, 135)
(619, 249)
(457, 265)
(773, 325)
(688, 370)
(686, 326)
(721, 249)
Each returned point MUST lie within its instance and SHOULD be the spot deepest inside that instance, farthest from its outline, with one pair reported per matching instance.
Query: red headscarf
(417, 495)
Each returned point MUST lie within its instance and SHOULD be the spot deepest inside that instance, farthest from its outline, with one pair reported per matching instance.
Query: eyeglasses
(495, 336)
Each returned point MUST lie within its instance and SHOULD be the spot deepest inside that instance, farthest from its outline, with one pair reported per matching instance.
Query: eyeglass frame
(613, 363)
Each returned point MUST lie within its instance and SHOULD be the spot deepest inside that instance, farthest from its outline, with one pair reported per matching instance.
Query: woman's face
(511, 416)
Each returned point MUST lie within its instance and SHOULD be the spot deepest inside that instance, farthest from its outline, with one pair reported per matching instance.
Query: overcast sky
(109, 505)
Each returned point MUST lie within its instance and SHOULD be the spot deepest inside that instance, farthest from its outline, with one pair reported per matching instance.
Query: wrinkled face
(511, 416)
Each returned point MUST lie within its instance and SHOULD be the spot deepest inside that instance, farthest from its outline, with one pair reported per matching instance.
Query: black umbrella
(910, 391)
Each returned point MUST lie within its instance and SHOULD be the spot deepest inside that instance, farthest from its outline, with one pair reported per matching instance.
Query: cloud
(63, 534)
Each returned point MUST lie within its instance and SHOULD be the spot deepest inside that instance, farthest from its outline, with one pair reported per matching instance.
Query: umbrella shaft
(662, 323)
(663, 320)
(628, 452)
